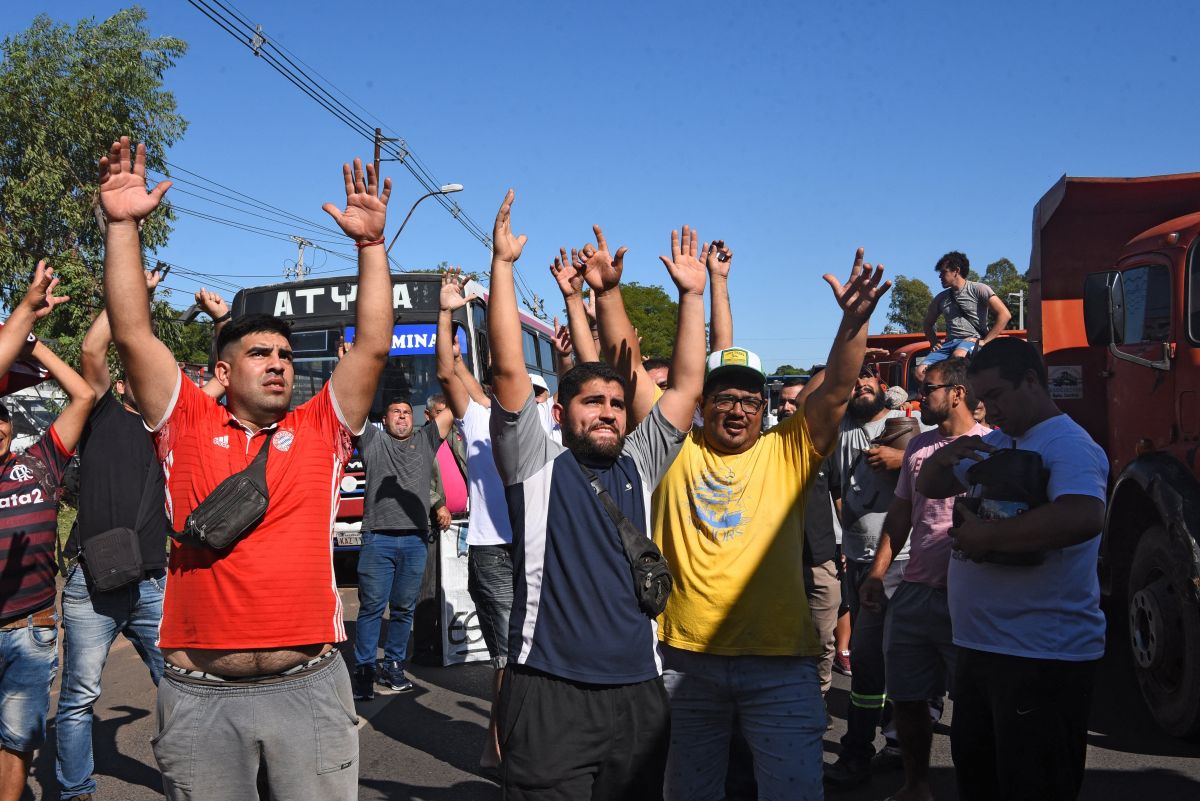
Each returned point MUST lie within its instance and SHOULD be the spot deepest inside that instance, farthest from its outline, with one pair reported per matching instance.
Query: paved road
(425, 744)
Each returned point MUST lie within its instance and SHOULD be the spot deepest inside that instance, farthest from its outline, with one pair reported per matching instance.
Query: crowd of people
(664, 583)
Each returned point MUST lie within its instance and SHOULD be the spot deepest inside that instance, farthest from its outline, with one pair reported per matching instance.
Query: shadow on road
(108, 759)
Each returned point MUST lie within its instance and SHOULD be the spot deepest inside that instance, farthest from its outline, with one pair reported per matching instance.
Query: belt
(44, 618)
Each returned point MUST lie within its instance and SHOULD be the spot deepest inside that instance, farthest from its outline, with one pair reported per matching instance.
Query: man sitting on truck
(964, 304)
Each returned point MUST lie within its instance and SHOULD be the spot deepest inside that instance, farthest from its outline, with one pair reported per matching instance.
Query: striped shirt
(28, 526)
(275, 587)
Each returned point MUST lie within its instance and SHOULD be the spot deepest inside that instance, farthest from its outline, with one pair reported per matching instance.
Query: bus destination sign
(335, 299)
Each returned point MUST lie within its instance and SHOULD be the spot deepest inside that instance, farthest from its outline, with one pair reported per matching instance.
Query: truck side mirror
(1097, 308)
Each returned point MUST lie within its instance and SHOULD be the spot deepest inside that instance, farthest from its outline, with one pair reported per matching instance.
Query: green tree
(653, 314)
(910, 300)
(66, 91)
(787, 369)
(1004, 279)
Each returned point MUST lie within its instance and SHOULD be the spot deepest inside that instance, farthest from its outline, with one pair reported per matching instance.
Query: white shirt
(489, 511)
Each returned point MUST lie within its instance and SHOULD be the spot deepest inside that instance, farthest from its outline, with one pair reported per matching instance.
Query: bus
(321, 312)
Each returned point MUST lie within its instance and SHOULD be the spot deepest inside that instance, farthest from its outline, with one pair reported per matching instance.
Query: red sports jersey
(274, 588)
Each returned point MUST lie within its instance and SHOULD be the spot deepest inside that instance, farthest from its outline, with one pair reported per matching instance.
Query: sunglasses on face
(926, 389)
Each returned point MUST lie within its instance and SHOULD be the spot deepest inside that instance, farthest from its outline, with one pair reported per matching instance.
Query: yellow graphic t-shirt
(732, 529)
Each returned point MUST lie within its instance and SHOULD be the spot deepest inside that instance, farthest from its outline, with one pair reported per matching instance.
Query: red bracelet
(361, 245)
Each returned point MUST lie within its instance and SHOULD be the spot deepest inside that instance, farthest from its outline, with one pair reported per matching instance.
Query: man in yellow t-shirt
(738, 639)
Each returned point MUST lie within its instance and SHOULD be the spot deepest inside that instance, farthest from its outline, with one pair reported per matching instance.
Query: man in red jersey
(254, 689)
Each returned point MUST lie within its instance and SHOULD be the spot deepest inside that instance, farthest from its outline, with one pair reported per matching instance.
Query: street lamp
(445, 189)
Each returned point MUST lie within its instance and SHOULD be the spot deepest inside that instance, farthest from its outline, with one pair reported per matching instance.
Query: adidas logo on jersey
(221, 441)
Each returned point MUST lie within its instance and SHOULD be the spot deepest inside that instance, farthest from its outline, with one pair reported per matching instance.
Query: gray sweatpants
(213, 739)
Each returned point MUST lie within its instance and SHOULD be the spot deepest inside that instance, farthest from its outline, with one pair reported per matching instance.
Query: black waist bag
(651, 575)
(233, 509)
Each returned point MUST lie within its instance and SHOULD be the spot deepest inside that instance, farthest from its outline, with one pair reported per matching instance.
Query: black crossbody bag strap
(982, 333)
(651, 575)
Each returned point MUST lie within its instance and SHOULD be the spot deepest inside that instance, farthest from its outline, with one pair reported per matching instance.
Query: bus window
(529, 340)
(546, 352)
(311, 375)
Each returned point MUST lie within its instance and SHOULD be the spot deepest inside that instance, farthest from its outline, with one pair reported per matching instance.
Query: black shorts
(562, 739)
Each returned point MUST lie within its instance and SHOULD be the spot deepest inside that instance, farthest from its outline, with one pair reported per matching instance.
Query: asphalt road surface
(425, 744)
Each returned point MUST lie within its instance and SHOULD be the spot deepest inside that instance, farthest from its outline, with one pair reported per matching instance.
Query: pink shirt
(929, 542)
(453, 482)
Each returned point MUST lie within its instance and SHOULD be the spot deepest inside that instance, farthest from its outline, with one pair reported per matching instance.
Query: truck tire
(1164, 634)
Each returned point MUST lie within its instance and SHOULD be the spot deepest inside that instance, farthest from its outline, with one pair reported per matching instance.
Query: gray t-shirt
(866, 492)
(965, 311)
(398, 475)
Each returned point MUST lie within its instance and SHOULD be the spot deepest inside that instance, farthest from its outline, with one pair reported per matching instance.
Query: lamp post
(1020, 296)
(445, 189)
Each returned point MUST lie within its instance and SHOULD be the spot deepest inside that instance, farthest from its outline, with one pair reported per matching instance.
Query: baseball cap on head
(734, 362)
(538, 382)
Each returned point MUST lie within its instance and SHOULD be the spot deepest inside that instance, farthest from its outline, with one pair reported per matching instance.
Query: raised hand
(366, 207)
(454, 293)
(123, 194)
(567, 273)
(686, 269)
(562, 339)
(153, 279)
(40, 299)
(212, 303)
(602, 270)
(589, 306)
(859, 296)
(506, 246)
(717, 257)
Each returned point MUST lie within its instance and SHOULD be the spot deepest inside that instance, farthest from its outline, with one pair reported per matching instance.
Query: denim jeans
(91, 623)
(28, 662)
(776, 701)
(490, 583)
(390, 567)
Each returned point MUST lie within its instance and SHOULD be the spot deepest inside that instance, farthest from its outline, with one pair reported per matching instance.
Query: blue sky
(795, 131)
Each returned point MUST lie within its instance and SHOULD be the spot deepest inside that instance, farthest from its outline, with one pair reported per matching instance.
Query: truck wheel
(1164, 634)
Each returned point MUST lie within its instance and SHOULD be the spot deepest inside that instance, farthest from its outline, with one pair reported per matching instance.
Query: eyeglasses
(925, 389)
(749, 403)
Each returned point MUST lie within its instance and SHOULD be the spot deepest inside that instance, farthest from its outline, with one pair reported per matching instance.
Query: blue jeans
(776, 701)
(28, 661)
(390, 567)
(91, 623)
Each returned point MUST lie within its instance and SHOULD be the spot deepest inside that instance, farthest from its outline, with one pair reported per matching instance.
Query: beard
(865, 407)
(588, 450)
(932, 417)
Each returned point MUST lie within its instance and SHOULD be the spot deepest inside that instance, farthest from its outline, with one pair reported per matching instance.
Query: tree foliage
(66, 91)
(653, 314)
(1004, 279)
(910, 300)
(787, 369)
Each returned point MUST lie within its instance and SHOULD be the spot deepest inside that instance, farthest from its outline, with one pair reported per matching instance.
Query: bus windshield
(411, 377)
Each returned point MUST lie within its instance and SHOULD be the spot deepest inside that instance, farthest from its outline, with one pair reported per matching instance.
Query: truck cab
(1115, 289)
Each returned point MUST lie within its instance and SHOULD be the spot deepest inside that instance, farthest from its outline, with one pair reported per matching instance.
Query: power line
(253, 38)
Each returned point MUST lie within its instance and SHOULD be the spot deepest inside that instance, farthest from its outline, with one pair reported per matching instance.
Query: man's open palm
(123, 194)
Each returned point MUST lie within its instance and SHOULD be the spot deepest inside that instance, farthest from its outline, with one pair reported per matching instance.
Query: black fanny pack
(233, 509)
(651, 575)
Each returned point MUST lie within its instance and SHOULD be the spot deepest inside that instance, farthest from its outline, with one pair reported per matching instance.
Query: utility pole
(1020, 308)
(299, 271)
(378, 142)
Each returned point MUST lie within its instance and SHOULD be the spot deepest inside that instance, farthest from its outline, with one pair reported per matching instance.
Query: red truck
(1114, 306)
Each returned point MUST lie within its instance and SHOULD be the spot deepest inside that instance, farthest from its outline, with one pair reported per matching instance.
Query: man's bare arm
(69, 425)
(452, 298)
(897, 525)
(568, 274)
(149, 364)
(718, 258)
(1003, 316)
(39, 300)
(929, 325)
(474, 388)
(510, 381)
(618, 341)
(356, 375)
(678, 403)
(216, 308)
(857, 298)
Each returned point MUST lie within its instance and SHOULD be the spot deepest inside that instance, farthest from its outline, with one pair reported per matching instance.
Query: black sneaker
(391, 675)
(848, 772)
(888, 759)
(363, 682)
